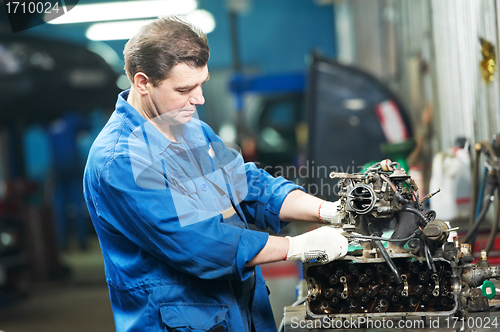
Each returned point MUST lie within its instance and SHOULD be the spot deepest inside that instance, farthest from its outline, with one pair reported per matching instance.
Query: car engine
(418, 272)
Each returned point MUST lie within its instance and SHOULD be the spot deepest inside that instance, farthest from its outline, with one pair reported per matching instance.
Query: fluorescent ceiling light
(114, 30)
(202, 19)
(122, 10)
(126, 29)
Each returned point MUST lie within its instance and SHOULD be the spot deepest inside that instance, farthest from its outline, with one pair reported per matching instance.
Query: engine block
(347, 287)
(415, 272)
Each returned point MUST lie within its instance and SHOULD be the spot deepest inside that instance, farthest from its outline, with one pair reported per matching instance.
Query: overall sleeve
(260, 194)
(265, 197)
(148, 209)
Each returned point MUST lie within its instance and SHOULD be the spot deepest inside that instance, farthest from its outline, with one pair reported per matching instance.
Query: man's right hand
(323, 244)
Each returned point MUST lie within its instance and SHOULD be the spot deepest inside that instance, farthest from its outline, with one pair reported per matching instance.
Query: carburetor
(417, 273)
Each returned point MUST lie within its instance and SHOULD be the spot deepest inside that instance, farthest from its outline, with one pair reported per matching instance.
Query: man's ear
(141, 81)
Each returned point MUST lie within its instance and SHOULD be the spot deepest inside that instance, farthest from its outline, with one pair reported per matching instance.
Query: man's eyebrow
(188, 87)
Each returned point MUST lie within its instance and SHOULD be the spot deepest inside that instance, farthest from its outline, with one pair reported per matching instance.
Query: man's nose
(197, 97)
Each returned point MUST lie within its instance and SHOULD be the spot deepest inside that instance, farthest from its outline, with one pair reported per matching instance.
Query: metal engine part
(419, 273)
(347, 287)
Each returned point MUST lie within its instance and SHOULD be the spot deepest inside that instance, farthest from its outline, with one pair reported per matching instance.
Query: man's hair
(162, 44)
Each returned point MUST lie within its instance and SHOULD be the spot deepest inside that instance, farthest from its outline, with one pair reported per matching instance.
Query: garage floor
(79, 304)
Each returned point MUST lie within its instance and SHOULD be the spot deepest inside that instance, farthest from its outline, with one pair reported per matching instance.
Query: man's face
(175, 99)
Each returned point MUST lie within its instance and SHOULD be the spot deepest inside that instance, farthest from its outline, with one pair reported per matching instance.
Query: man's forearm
(299, 206)
(275, 250)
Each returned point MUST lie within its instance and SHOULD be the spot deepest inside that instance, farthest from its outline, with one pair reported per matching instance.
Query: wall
(437, 60)
(467, 105)
(274, 36)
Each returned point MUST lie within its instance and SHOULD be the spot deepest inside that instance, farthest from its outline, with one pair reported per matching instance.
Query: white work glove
(324, 244)
(328, 212)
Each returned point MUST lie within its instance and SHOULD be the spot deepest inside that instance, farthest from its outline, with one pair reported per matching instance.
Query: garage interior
(304, 87)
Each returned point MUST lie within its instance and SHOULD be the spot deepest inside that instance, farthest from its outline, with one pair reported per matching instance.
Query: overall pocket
(194, 317)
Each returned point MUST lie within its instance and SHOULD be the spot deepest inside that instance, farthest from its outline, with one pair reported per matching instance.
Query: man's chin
(185, 119)
(180, 118)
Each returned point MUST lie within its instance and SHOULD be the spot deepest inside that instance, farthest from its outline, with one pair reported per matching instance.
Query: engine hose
(428, 257)
(475, 185)
(389, 261)
(389, 182)
(477, 197)
(479, 203)
(496, 221)
(481, 216)
(417, 212)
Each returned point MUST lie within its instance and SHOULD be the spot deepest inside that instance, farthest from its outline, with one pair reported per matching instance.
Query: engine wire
(378, 238)
(415, 195)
